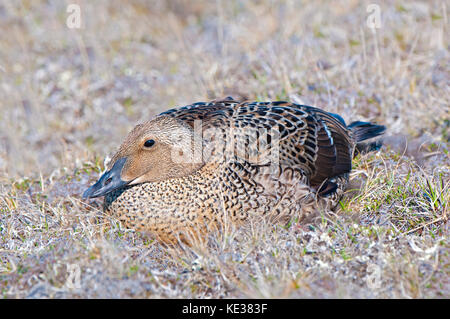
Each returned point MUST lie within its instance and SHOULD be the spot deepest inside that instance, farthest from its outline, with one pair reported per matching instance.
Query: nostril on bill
(108, 181)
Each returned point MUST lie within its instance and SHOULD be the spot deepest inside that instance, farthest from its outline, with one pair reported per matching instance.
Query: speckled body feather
(311, 170)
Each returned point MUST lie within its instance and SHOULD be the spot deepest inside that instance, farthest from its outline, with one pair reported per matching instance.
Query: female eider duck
(192, 169)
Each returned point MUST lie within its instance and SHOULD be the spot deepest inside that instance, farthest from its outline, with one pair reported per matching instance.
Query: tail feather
(364, 130)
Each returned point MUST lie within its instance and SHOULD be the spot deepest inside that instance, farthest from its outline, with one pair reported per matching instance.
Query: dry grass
(68, 97)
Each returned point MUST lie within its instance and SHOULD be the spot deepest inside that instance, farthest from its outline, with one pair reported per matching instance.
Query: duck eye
(149, 143)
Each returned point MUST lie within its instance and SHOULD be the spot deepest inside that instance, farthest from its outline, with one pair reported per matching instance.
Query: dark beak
(108, 182)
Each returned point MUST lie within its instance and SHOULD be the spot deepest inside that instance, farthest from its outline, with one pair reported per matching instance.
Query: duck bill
(108, 182)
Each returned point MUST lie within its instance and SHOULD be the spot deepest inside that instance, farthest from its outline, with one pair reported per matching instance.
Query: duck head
(156, 150)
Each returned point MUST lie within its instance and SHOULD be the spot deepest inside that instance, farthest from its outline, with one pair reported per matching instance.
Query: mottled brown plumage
(193, 169)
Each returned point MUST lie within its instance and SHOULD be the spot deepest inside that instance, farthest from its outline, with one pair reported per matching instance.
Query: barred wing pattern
(316, 141)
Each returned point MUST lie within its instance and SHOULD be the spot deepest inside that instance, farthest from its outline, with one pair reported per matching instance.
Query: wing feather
(315, 140)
